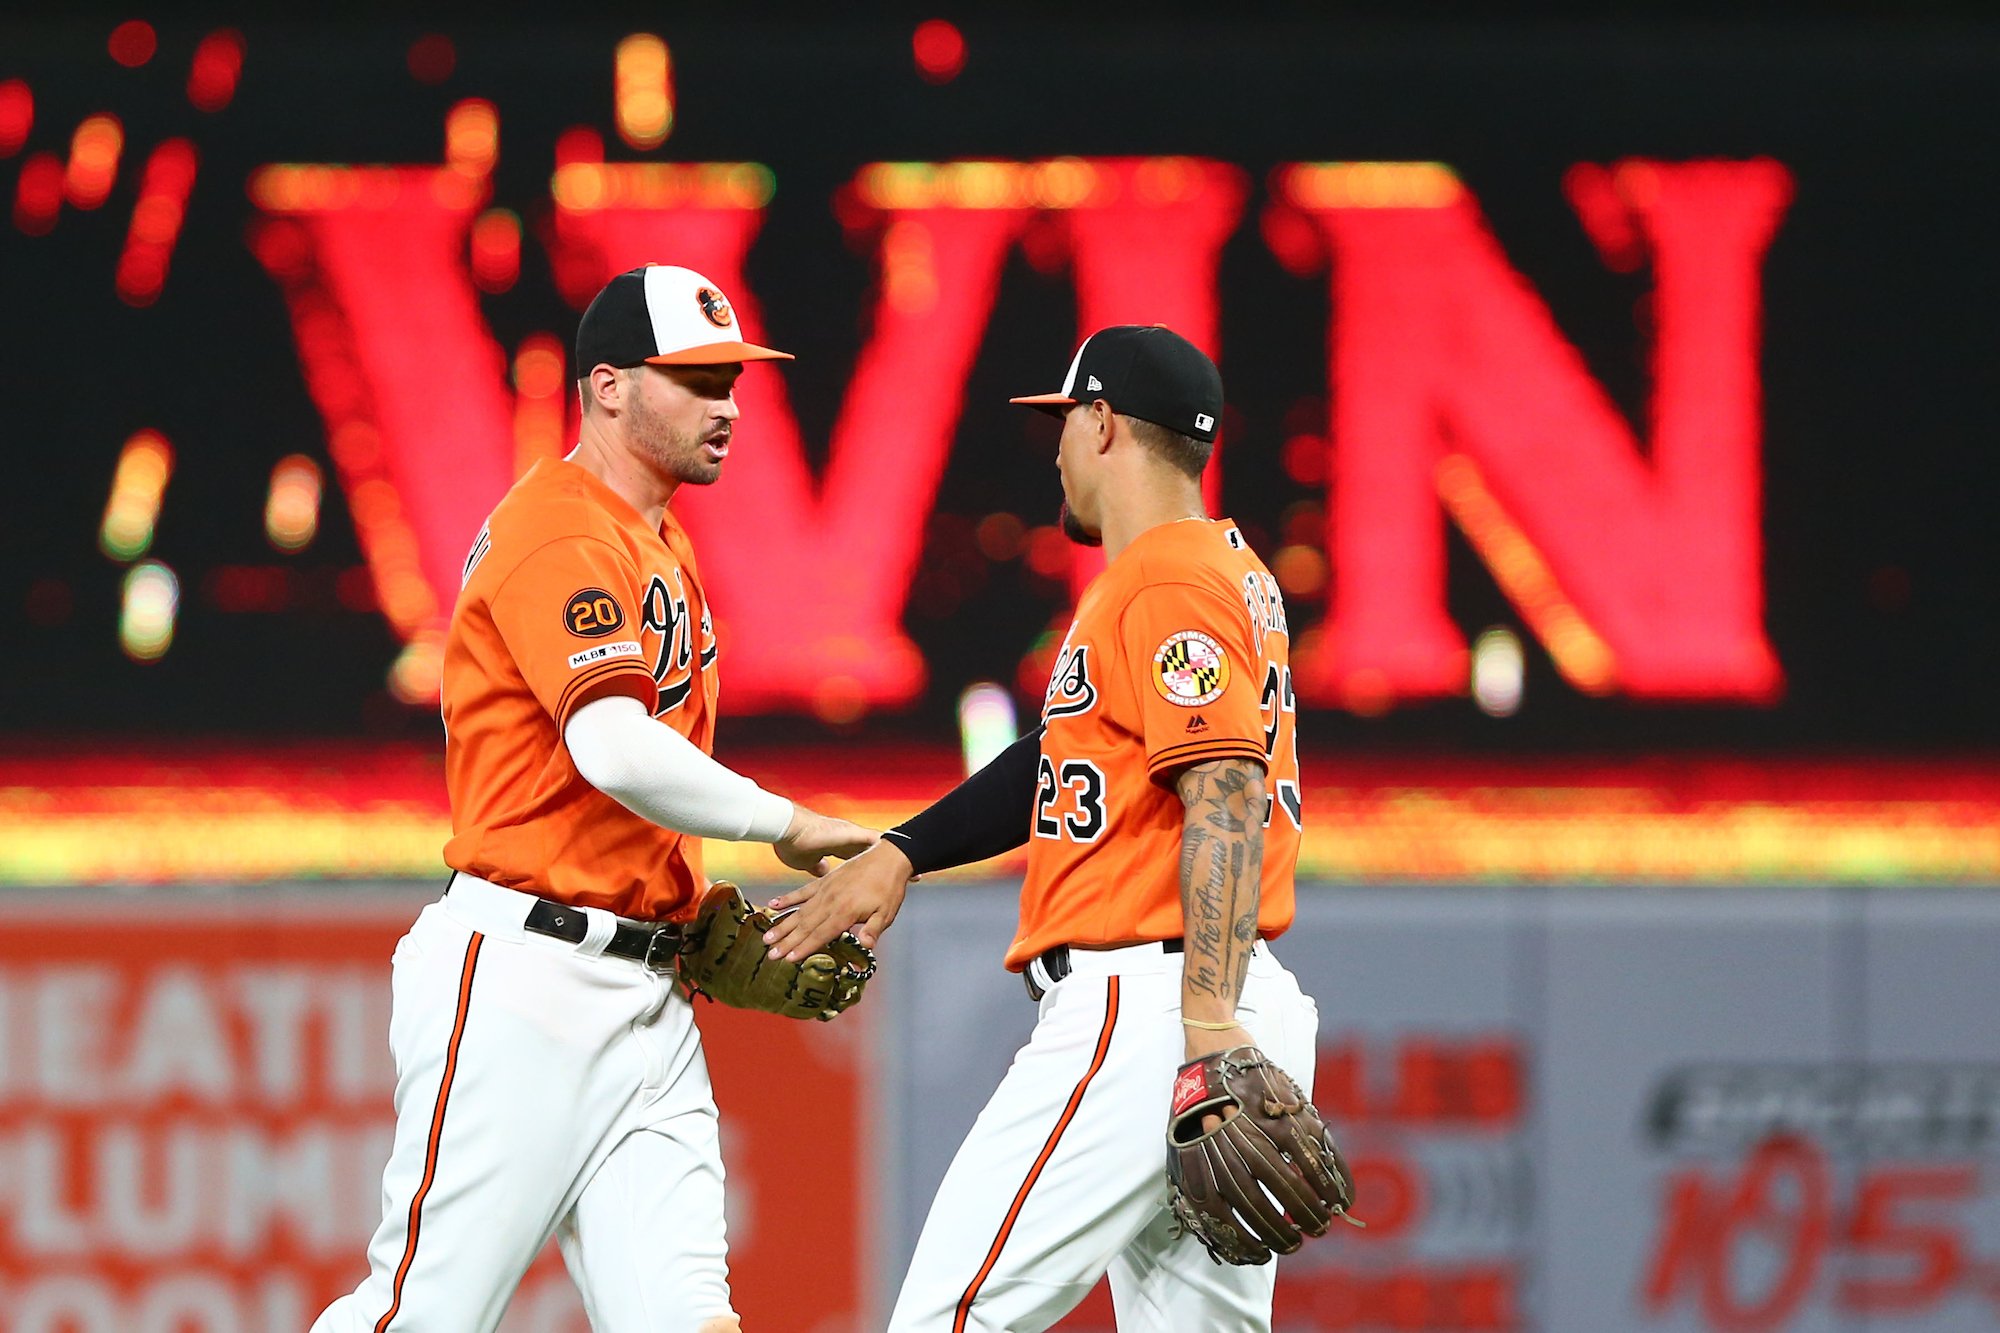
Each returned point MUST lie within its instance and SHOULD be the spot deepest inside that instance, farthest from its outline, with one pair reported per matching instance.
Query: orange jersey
(570, 596)
(1179, 654)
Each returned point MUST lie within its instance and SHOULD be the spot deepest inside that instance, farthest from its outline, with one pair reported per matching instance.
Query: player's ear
(1105, 422)
(603, 387)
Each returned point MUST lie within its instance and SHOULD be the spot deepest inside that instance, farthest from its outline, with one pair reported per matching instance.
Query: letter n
(1636, 564)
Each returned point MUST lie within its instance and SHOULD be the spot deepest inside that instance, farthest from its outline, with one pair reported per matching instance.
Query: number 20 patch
(1190, 669)
(592, 613)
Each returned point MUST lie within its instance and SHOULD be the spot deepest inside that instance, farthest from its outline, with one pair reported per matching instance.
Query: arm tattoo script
(1222, 863)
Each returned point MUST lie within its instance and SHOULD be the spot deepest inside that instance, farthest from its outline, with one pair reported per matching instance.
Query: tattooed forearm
(1222, 861)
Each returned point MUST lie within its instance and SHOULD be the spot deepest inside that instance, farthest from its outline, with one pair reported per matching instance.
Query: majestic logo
(1190, 669)
(1196, 725)
(715, 306)
(1070, 689)
(592, 613)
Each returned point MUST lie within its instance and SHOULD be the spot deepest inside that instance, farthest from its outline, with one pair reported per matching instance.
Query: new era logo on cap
(665, 315)
(1146, 371)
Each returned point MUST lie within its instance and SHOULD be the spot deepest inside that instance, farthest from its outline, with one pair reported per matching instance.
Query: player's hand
(813, 840)
(864, 895)
(1202, 1043)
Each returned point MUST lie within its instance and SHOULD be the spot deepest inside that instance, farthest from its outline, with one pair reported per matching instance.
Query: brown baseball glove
(1266, 1177)
(723, 956)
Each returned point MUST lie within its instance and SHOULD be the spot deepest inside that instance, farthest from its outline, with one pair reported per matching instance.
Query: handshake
(807, 954)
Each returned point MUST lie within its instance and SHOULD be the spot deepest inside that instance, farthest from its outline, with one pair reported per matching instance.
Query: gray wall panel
(1639, 985)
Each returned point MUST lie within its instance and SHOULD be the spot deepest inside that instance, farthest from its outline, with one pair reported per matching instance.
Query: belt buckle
(672, 935)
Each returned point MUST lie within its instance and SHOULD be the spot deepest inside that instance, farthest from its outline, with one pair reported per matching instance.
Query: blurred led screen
(1592, 389)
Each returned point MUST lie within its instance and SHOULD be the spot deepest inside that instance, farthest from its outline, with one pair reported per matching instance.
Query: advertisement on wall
(1706, 1111)
(195, 1110)
(1587, 1109)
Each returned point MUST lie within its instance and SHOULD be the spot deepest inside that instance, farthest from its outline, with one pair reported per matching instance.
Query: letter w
(809, 588)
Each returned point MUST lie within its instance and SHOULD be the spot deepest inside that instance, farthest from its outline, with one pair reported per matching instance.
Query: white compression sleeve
(658, 774)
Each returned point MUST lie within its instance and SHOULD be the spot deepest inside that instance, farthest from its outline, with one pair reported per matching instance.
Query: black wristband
(983, 816)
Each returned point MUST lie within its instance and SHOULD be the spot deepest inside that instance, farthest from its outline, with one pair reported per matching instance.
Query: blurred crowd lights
(1301, 570)
(17, 115)
(541, 401)
(293, 187)
(431, 58)
(138, 482)
(472, 137)
(132, 43)
(94, 151)
(1327, 185)
(146, 618)
(587, 186)
(416, 677)
(156, 222)
(643, 86)
(217, 65)
(939, 49)
(496, 250)
(986, 724)
(291, 509)
(38, 194)
(1054, 184)
(1498, 672)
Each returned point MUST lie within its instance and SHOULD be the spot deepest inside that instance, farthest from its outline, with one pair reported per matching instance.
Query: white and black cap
(1146, 371)
(664, 315)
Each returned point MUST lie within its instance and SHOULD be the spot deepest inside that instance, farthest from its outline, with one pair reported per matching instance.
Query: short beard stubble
(1073, 529)
(677, 455)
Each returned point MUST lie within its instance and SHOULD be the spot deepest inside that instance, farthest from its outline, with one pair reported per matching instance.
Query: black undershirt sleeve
(983, 816)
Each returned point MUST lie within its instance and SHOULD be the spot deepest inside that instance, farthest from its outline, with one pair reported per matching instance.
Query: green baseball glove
(723, 956)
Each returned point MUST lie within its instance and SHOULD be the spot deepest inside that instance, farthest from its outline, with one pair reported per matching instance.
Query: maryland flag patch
(1190, 669)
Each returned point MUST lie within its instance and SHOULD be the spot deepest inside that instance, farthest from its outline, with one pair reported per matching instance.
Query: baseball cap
(666, 315)
(1146, 371)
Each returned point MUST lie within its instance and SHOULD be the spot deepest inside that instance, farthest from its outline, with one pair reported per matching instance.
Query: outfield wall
(1569, 1109)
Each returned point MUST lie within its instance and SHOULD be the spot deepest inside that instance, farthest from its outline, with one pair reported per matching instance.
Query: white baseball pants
(541, 1088)
(1063, 1176)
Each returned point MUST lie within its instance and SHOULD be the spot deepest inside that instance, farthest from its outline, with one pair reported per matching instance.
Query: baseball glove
(1266, 1177)
(723, 956)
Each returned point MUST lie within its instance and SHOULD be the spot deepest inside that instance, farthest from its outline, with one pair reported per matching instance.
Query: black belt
(629, 940)
(1056, 963)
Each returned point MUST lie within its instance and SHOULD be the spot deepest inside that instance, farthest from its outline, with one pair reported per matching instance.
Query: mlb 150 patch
(1190, 669)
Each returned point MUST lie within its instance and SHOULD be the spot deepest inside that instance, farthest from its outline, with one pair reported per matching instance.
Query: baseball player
(1160, 803)
(549, 1076)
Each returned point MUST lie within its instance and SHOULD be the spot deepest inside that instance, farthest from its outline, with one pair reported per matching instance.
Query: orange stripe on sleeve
(1195, 752)
(609, 678)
